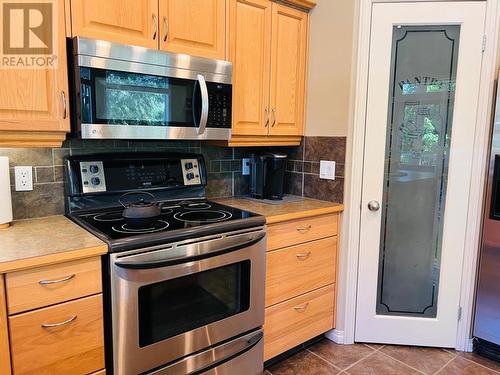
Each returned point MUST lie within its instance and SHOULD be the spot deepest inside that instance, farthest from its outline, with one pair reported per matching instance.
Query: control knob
(95, 181)
(94, 169)
(190, 176)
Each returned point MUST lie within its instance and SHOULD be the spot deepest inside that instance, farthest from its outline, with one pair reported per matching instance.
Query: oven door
(169, 302)
(117, 104)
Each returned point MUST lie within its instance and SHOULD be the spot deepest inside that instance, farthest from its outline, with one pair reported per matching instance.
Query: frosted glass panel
(422, 87)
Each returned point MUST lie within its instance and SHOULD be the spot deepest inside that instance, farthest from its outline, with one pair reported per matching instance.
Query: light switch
(327, 170)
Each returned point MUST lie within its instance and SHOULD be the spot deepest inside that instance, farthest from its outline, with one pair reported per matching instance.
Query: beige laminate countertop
(38, 242)
(276, 213)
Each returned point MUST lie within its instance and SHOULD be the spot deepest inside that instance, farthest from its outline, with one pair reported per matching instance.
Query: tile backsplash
(223, 167)
(302, 172)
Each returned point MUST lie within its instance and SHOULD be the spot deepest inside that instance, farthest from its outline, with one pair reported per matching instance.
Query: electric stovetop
(179, 220)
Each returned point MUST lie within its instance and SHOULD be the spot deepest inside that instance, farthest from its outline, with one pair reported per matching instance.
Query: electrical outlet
(245, 167)
(327, 170)
(24, 178)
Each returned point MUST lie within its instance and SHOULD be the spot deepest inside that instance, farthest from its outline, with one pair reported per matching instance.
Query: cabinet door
(288, 70)
(250, 49)
(36, 100)
(121, 21)
(194, 27)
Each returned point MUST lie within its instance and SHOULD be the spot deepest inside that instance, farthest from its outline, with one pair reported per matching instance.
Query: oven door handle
(209, 359)
(188, 253)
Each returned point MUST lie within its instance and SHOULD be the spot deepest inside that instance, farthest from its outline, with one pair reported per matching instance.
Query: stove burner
(166, 210)
(203, 216)
(110, 216)
(159, 225)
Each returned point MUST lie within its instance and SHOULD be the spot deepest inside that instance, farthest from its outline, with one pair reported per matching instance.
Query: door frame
(355, 160)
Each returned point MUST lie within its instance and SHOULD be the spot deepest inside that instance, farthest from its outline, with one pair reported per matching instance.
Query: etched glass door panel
(419, 130)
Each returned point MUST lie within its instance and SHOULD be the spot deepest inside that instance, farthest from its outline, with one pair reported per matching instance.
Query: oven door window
(180, 305)
(121, 98)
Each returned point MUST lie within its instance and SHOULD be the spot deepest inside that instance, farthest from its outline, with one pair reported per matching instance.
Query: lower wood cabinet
(301, 278)
(296, 269)
(55, 319)
(63, 339)
(299, 319)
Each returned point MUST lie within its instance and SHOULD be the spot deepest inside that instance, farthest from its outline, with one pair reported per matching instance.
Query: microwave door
(200, 104)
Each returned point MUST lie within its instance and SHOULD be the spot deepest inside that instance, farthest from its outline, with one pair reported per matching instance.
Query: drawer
(299, 269)
(76, 347)
(295, 232)
(290, 323)
(45, 286)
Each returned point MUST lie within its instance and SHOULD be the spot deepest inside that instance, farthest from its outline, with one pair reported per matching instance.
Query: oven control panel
(92, 173)
(191, 172)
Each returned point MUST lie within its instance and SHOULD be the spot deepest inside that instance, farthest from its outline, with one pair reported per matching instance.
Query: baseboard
(336, 336)
(470, 346)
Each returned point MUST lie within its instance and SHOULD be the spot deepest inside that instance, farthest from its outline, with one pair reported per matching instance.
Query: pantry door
(423, 86)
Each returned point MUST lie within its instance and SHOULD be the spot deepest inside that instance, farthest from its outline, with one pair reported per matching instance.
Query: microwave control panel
(191, 172)
(92, 174)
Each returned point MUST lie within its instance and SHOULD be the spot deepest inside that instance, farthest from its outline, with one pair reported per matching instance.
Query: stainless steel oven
(128, 92)
(191, 306)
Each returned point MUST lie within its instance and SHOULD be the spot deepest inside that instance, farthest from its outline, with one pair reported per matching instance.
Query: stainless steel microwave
(128, 92)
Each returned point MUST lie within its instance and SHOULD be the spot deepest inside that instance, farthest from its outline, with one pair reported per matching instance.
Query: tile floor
(326, 358)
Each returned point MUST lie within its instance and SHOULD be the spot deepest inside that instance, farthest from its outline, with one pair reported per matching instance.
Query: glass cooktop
(174, 216)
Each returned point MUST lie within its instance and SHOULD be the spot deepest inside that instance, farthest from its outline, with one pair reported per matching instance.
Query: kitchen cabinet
(301, 279)
(34, 103)
(288, 70)
(55, 319)
(250, 52)
(121, 21)
(194, 27)
(268, 49)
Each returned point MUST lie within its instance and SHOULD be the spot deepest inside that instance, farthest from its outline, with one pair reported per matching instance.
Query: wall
(47, 197)
(331, 42)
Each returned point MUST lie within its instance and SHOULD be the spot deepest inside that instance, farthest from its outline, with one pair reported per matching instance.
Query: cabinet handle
(165, 21)
(267, 115)
(303, 256)
(155, 19)
(304, 229)
(53, 325)
(301, 308)
(274, 117)
(65, 106)
(57, 281)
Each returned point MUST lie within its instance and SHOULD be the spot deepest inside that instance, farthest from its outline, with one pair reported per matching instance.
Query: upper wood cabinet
(288, 70)
(250, 53)
(121, 21)
(34, 103)
(268, 49)
(194, 27)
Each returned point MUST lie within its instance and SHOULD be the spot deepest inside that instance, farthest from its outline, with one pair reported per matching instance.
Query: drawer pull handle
(301, 308)
(304, 229)
(57, 281)
(53, 325)
(303, 256)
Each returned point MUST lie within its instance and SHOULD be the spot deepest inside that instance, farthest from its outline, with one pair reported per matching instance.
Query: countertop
(276, 213)
(38, 242)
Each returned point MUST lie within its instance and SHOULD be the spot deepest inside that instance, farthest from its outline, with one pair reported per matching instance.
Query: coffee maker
(267, 176)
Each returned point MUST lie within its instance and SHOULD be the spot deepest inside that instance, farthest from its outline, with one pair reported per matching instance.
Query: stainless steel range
(184, 279)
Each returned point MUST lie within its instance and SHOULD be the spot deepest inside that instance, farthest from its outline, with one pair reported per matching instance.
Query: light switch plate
(24, 178)
(327, 170)
(245, 166)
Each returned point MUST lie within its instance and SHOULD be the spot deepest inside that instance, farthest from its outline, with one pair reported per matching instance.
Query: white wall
(330, 67)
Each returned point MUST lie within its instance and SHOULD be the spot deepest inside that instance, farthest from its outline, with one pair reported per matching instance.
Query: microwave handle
(202, 125)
